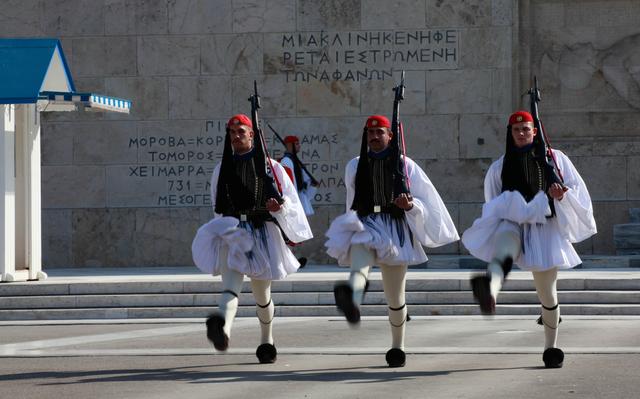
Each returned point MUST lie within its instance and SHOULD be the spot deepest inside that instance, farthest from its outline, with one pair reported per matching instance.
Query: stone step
(302, 299)
(423, 281)
(323, 311)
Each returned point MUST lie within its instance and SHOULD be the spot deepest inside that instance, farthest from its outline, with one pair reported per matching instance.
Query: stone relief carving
(619, 65)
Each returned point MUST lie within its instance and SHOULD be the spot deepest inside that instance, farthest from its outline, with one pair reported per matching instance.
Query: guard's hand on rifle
(273, 205)
(556, 191)
(403, 201)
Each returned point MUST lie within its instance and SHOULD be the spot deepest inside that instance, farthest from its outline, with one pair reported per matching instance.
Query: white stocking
(361, 261)
(508, 244)
(393, 283)
(232, 286)
(264, 308)
(545, 283)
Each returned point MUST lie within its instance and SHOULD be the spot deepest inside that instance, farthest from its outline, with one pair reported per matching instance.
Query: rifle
(550, 163)
(271, 190)
(403, 185)
(295, 158)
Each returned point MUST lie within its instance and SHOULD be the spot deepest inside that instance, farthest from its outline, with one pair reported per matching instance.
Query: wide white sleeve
(350, 181)
(574, 211)
(493, 180)
(311, 191)
(288, 163)
(214, 187)
(429, 219)
(291, 216)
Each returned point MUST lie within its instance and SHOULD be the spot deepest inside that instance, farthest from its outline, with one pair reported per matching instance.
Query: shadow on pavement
(196, 375)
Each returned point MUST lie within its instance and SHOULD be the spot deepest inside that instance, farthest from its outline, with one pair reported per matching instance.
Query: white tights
(228, 304)
(545, 283)
(508, 244)
(393, 283)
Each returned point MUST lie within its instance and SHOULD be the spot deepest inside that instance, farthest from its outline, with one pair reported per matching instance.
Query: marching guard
(254, 204)
(536, 206)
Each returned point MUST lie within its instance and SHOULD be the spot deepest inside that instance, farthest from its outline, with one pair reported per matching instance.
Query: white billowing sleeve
(350, 181)
(291, 216)
(429, 219)
(311, 191)
(574, 211)
(493, 180)
(288, 163)
(214, 187)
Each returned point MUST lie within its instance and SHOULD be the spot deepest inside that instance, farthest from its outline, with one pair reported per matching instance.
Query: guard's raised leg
(487, 287)
(219, 323)
(349, 295)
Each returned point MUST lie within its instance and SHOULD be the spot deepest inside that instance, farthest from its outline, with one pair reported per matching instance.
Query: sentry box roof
(36, 71)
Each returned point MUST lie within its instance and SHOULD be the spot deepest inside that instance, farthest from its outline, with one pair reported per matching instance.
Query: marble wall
(131, 190)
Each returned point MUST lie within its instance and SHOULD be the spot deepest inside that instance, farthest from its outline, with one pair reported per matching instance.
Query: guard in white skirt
(305, 185)
(301, 179)
(245, 235)
(384, 229)
(532, 222)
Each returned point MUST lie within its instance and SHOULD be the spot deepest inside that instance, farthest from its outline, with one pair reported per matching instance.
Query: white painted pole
(33, 190)
(7, 192)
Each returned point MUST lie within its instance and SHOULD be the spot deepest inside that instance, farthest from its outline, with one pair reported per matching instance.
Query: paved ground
(448, 357)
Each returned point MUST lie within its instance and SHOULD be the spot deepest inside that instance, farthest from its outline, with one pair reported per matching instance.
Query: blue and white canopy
(36, 71)
(59, 101)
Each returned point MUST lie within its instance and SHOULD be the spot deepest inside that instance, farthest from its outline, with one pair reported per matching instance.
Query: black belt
(253, 216)
(385, 209)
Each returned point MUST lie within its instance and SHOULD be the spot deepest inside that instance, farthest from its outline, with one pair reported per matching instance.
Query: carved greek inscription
(365, 55)
(178, 167)
(175, 170)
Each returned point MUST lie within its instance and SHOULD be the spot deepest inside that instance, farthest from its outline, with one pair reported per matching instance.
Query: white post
(7, 192)
(33, 194)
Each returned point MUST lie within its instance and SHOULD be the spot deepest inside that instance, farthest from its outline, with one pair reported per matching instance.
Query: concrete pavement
(463, 357)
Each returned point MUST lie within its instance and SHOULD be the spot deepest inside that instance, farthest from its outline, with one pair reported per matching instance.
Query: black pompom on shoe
(553, 358)
(396, 357)
(266, 353)
(216, 334)
(303, 261)
(482, 293)
(343, 295)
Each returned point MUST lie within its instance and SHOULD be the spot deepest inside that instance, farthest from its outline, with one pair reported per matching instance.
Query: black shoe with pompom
(266, 353)
(482, 293)
(396, 357)
(343, 294)
(553, 358)
(216, 334)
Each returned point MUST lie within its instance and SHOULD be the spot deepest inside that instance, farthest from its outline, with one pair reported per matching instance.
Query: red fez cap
(291, 139)
(240, 119)
(378, 121)
(520, 116)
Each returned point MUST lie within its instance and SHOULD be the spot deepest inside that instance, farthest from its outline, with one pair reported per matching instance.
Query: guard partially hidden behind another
(304, 183)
